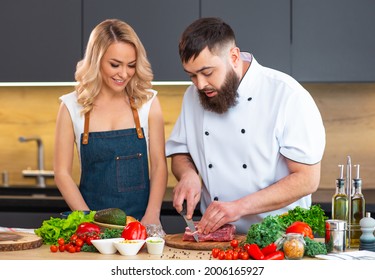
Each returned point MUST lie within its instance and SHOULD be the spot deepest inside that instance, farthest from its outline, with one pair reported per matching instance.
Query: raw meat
(224, 233)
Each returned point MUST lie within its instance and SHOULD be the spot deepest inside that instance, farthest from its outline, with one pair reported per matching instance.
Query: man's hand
(217, 214)
(189, 183)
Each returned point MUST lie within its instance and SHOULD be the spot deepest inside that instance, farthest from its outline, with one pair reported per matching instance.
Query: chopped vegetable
(55, 228)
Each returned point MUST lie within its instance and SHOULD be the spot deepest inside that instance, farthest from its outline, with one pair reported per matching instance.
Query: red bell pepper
(255, 252)
(134, 230)
(271, 248)
(86, 227)
(277, 255)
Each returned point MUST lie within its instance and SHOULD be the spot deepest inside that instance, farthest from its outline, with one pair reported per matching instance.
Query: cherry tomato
(221, 255)
(78, 249)
(234, 243)
(61, 241)
(62, 248)
(54, 248)
(229, 255)
(235, 255)
(72, 249)
(245, 256)
(79, 242)
(215, 252)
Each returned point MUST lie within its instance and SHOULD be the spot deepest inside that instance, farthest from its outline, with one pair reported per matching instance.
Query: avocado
(113, 216)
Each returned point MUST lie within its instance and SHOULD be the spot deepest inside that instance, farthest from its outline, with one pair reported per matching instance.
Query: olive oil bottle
(357, 210)
(340, 199)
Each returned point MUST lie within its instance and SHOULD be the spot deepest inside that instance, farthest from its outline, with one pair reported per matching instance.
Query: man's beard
(226, 96)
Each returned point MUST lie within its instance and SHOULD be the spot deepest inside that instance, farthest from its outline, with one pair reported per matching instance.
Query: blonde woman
(115, 121)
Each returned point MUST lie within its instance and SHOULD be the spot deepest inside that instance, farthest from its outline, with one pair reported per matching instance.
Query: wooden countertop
(44, 253)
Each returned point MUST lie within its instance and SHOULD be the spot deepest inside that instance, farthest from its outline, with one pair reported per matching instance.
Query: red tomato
(54, 248)
(221, 255)
(79, 242)
(235, 255)
(78, 249)
(62, 248)
(229, 255)
(245, 256)
(61, 241)
(234, 243)
(302, 228)
(72, 249)
(215, 252)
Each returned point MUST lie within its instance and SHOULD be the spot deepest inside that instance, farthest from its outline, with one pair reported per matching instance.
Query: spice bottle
(340, 199)
(357, 210)
(294, 246)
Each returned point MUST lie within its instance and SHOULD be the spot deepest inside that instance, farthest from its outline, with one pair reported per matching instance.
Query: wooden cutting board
(175, 241)
(15, 241)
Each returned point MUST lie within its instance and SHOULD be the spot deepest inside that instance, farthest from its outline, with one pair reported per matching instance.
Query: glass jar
(294, 246)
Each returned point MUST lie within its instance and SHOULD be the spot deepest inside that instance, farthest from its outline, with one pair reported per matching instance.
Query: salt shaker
(367, 239)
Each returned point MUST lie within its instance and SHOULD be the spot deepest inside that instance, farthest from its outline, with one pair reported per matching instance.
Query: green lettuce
(54, 228)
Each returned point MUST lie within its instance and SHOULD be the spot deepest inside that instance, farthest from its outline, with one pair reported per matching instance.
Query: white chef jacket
(241, 151)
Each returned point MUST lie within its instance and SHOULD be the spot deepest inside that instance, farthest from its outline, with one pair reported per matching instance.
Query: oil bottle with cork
(340, 209)
(357, 210)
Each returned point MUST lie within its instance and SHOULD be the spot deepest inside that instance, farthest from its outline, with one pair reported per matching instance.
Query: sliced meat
(224, 233)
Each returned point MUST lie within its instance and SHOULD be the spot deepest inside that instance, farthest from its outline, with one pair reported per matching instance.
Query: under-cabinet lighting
(67, 84)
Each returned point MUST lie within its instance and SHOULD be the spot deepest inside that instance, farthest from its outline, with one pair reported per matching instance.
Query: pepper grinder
(367, 239)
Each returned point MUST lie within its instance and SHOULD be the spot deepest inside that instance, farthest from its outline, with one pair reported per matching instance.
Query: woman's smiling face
(118, 66)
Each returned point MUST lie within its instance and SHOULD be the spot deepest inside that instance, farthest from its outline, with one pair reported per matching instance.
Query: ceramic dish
(106, 246)
(155, 245)
(129, 247)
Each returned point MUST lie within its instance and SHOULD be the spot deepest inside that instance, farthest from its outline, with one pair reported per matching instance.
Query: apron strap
(85, 138)
(136, 119)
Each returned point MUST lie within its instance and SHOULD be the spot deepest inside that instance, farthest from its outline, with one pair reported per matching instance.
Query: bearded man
(249, 139)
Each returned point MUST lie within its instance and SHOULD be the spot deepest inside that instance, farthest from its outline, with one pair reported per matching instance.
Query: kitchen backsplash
(348, 111)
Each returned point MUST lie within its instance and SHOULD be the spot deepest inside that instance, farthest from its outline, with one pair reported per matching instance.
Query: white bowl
(155, 245)
(129, 247)
(105, 246)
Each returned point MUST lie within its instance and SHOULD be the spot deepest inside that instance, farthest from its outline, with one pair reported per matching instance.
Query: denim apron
(115, 169)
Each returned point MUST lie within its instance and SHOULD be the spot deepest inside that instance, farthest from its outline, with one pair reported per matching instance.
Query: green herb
(88, 248)
(313, 248)
(273, 227)
(111, 233)
(314, 217)
(266, 232)
(54, 228)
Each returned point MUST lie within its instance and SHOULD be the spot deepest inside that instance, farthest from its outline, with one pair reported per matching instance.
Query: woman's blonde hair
(88, 73)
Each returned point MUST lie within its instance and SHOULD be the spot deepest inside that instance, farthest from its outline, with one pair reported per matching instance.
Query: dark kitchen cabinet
(261, 27)
(333, 40)
(158, 24)
(40, 40)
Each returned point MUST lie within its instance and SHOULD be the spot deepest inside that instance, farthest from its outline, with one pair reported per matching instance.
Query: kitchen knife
(190, 222)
